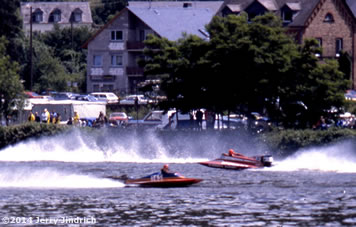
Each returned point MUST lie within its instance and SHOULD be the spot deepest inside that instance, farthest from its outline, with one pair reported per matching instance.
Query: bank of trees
(246, 67)
(11, 98)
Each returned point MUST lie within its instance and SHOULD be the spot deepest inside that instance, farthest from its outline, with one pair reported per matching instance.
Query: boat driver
(232, 153)
(166, 172)
(165, 169)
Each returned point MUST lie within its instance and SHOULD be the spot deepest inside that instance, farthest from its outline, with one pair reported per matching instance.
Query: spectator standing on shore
(76, 118)
(45, 116)
(58, 119)
(199, 117)
(37, 117)
(31, 117)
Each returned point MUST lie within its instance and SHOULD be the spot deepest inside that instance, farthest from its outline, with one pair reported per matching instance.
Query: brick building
(331, 22)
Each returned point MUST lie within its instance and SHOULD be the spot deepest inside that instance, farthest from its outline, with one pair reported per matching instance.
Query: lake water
(63, 181)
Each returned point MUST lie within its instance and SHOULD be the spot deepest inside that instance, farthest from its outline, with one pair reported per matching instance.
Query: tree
(59, 50)
(105, 10)
(11, 25)
(317, 85)
(179, 65)
(49, 73)
(250, 59)
(11, 87)
(247, 67)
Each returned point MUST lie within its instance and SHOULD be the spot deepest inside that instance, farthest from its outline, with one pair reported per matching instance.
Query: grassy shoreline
(283, 142)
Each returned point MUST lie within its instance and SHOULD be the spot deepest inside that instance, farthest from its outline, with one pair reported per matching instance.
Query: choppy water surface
(65, 180)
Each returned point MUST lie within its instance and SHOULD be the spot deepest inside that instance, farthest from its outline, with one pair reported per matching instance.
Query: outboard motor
(267, 160)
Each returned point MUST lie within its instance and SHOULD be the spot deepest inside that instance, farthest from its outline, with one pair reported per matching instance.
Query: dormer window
(256, 9)
(76, 16)
(329, 18)
(287, 16)
(289, 11)
(55, 16)
(37, 16)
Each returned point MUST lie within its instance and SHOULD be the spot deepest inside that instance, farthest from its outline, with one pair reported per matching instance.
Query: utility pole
(31, 67)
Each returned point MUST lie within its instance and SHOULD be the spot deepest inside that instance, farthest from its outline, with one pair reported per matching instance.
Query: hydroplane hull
(163, 180)
(239, 162)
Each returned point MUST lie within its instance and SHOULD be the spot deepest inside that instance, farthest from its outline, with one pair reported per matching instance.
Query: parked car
(88, 98)
(108, 97)
(32, 95)
(64, 96)
(162, 120)
(118, 116)
(130, 100)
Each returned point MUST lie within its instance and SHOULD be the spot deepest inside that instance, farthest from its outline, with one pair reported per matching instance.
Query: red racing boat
(239, 162)
(163, 180)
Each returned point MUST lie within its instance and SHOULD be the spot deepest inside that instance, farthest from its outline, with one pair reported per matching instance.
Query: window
(96, 87)
(320, 41)
(287, 16)
(116, 60)
(339, 45)
(37, 16)
(107, 87)
(76, 16)
(55, 16)
(116, 35)
(329, 18)
(142, 35)
(97, 60)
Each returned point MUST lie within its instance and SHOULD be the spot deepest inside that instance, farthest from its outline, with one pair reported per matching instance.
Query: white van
(108, 97)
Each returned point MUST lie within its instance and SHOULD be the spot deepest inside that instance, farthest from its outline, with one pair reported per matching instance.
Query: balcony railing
(137, 71)
(103, 78)
(131, 45)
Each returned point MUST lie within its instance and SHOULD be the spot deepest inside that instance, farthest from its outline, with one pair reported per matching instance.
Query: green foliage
(288, 141)
(11, 26)
(14, 134)
(105, 10)
(319, 86)
(49, 73)
(350, 106)
(180, 67)
(247, 67)
(10, 84)
(59, 62)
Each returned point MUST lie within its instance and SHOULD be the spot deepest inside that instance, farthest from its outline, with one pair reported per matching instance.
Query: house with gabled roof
(114, 50)
(331, 22)
(44, 15)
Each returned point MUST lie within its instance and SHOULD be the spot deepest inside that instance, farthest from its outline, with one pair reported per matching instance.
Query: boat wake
(337, 158)
(51, 178)
(77, 147)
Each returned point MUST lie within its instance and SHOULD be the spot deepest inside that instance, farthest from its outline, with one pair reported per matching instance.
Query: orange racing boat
(238, 161)
(163, 180)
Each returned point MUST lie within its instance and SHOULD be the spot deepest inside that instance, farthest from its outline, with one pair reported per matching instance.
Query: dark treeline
(248, 67)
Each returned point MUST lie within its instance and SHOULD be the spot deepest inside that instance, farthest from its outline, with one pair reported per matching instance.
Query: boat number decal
(157, 177)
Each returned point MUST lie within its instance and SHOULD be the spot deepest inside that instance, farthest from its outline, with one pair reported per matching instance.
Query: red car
(33, 95)
(118, 116)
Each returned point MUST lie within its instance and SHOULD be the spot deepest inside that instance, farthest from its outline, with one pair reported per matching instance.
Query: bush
(286, 142)
(14, 134)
